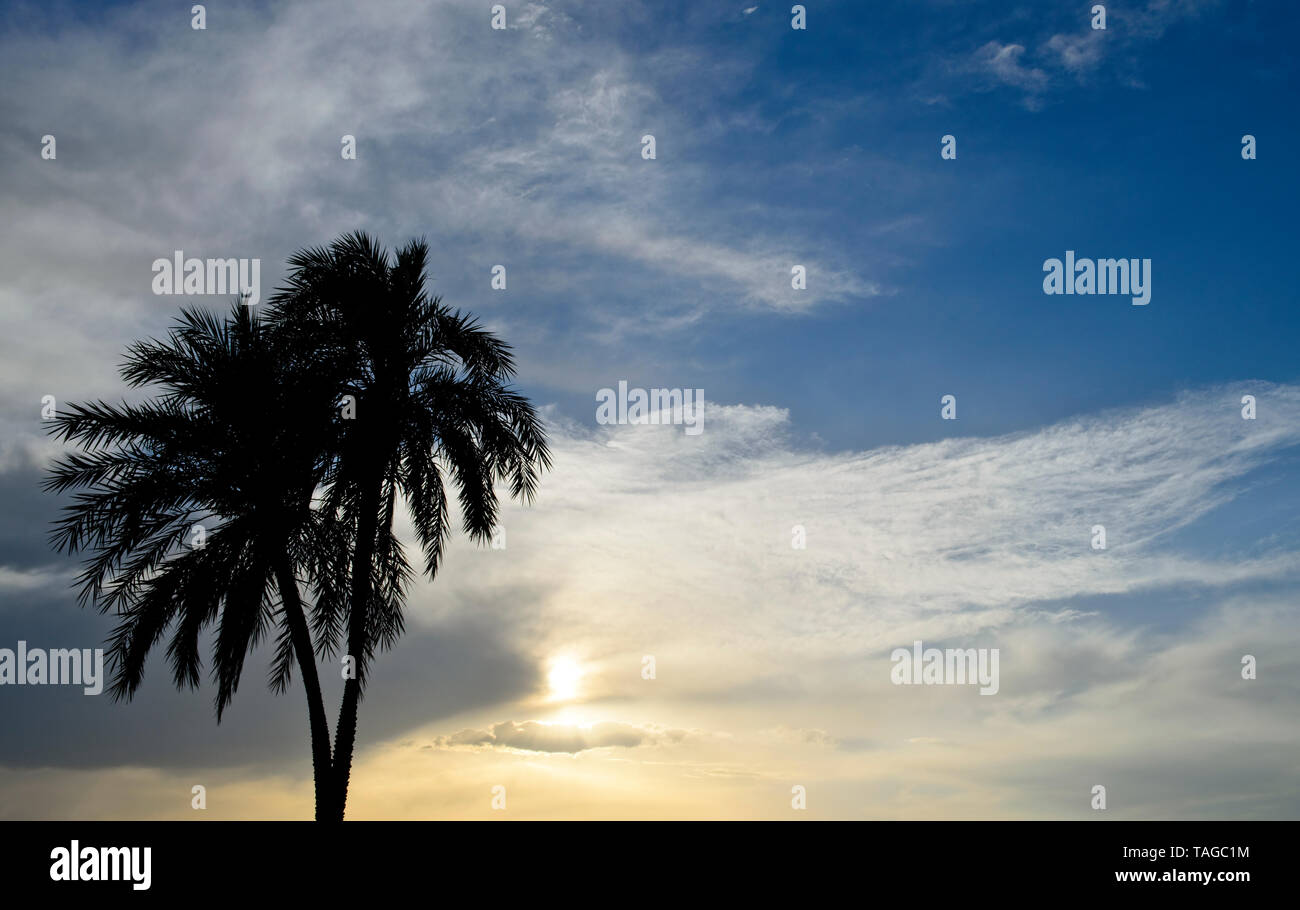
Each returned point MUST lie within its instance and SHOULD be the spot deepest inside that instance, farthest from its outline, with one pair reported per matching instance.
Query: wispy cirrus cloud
(520, 146)
(944, 537)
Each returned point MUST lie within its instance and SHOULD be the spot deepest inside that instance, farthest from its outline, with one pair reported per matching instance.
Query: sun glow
(564, 678)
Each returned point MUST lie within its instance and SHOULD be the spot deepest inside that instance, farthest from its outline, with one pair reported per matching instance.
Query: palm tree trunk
(346, 733)
(320, 730)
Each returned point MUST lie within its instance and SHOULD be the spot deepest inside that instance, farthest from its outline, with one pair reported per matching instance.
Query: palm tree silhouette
(227, 456)
(431, 410)
(291, 442)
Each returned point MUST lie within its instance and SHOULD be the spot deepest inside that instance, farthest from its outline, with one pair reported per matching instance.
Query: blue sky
(774, 147)
(1140, 152)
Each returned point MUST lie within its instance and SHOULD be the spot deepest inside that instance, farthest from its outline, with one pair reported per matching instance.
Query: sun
(563, 679)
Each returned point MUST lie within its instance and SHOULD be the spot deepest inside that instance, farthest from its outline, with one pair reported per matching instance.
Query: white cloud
(1078, 53)
(534, 736)
(1003, 62)
(946, 538)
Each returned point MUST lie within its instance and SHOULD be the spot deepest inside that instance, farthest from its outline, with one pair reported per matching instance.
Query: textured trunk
(320, 731)
(346, 734)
